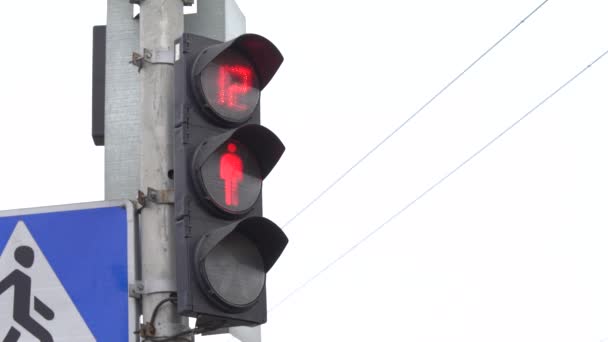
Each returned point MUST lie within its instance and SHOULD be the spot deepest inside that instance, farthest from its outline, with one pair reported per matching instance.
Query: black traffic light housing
(224, 245)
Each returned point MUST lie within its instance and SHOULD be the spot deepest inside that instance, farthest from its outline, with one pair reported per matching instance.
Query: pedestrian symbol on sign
(22, 287)
(34, 304)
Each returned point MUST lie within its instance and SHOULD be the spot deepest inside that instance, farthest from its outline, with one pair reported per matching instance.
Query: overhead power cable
(385, 139)
(400, 211)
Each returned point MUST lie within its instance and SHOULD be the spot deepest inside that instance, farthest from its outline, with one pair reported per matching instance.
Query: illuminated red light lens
(231, 178)
(231, 172)
(230, 91)
(231, 87)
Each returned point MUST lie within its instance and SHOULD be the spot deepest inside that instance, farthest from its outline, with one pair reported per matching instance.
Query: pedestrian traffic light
(222, 155)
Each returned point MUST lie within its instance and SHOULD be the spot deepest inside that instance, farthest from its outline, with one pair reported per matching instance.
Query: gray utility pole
(160, 23)
(139, 132)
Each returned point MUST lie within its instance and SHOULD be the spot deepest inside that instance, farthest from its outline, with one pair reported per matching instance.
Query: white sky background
(513, 247)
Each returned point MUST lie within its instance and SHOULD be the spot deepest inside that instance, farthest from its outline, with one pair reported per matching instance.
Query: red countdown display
(231, 87)
(234, 82)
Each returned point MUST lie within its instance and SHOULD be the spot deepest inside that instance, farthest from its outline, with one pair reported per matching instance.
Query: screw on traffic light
(222, 154)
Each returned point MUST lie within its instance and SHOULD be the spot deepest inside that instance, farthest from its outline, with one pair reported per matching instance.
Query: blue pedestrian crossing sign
(65, 273)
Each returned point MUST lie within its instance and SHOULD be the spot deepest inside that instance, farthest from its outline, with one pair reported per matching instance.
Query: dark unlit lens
(235, 270)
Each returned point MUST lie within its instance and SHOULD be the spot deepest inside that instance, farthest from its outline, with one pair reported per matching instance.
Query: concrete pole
(161, 22)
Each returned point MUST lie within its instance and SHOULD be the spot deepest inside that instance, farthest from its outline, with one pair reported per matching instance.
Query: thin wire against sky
(400, 211)
(385, 139)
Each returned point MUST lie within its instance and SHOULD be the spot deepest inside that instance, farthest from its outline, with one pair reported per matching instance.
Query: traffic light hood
(265, 234)
(262, 142)
(262, 53)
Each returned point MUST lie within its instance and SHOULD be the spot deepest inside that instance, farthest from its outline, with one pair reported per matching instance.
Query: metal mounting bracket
(166, 56)
(186, 2)
(136, 290)
(155, 196)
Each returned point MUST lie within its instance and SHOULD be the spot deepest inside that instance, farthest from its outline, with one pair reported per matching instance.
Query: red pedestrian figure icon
(231, 172)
